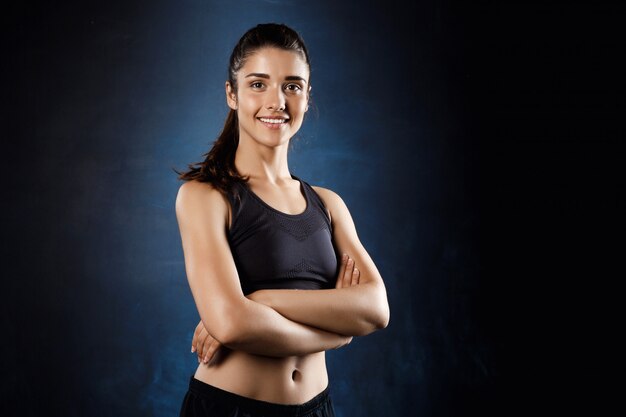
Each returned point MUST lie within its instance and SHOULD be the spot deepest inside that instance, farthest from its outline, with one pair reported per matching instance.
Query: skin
(271, 344)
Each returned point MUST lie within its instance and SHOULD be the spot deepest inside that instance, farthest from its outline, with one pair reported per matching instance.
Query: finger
(211, 351)
(201, 342)
(342, 269)
(196, 333)
(206, 347)
(355, 276)
(347, 276)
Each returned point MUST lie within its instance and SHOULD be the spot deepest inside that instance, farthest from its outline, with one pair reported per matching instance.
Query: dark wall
(553, 112)
(416, 124)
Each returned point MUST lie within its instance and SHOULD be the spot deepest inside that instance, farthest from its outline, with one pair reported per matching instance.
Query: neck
(262, 163)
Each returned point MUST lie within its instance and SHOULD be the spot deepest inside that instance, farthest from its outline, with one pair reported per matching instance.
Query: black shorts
(204, 400)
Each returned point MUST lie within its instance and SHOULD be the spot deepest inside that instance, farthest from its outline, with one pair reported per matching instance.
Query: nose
(276, 100)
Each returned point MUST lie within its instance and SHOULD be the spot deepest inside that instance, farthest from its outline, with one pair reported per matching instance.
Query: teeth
(275, 121)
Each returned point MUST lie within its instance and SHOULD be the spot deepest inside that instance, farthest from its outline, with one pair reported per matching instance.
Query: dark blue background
(446, 128)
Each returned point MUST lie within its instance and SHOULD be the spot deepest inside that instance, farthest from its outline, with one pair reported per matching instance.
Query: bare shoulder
(338, 211)
(344, 230)
(195, 198)
(327, 195)
(194, 192)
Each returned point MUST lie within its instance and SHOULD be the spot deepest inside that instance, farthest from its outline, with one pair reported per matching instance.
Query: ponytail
(218, 167)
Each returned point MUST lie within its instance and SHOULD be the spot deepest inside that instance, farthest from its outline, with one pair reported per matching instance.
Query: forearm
(355, 311)
(260, 330)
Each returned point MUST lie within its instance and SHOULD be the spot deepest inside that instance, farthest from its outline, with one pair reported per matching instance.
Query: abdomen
(288, 380)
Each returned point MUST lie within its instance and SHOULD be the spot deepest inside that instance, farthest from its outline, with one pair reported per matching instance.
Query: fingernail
(193, 349)
(206, 359)
(344, 257)
(355, 271)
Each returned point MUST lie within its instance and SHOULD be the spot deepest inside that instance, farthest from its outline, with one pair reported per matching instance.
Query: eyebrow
(289, 77)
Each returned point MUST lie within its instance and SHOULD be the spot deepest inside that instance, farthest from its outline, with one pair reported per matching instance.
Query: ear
(308, 93)
(231, 97)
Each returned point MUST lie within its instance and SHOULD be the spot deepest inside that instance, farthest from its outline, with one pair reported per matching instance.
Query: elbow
(379, 317)
(377, 320)
(227, 334)
(232, 330)
(228, 329)
(380, 320)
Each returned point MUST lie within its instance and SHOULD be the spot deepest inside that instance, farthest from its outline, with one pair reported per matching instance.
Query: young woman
(271, 260)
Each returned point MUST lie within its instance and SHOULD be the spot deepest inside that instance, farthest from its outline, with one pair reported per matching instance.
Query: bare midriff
(288, 380)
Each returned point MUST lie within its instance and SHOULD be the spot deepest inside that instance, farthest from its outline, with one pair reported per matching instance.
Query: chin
(273, 142)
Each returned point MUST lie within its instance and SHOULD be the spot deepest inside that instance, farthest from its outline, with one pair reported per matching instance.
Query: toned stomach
(288, 380)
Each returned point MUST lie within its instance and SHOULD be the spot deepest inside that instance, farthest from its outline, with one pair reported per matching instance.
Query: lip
(273, 117)
(274, 126)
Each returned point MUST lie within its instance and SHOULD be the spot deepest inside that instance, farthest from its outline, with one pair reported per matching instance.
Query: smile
(273, 121)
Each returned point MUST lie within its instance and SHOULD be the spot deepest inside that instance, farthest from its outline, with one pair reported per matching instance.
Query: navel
(296, 375)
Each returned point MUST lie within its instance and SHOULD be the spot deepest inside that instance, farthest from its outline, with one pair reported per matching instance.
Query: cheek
(299, 105)
(248, 105)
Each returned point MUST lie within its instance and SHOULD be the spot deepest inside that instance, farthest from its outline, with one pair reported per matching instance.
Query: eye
(293, 87)
(257, 84)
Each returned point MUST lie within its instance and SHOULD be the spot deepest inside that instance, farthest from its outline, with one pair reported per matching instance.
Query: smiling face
(272, 96)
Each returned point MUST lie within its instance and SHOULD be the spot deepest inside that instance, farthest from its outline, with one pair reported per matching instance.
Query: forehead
(277, 63)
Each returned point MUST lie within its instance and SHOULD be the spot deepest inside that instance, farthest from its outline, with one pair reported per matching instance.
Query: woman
(262, 249)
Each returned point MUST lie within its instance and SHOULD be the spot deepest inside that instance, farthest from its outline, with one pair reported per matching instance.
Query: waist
(289, 380)
(225, 400)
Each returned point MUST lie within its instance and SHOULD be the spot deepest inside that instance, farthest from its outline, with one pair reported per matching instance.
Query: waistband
(214, 393)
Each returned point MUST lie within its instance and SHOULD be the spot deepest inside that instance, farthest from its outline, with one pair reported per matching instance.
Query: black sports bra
(276, 250)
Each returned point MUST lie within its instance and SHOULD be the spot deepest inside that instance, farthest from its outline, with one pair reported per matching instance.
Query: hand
(349, 274)
(204, 344)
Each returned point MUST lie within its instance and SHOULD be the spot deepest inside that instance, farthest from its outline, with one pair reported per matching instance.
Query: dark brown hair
(219, 166)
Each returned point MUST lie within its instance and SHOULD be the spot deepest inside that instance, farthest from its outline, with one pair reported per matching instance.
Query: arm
(354, 310)
(206, 346)
(234, 320)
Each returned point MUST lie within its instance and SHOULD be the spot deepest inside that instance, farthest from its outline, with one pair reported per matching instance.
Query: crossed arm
(274, 322)
(354, 310)
(207, 346)
(230, 318)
